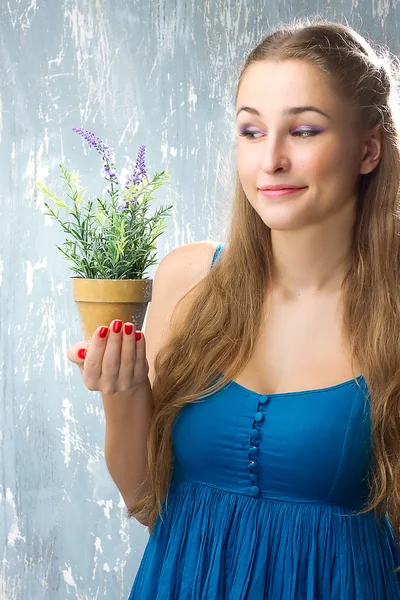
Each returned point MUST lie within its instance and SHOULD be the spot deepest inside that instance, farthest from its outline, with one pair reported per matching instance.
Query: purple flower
(140, 166)
(96, 143)
(139, 171)
(107, 171)
(126, 204)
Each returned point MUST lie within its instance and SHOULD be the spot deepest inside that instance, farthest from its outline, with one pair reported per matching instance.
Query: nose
(274, 155)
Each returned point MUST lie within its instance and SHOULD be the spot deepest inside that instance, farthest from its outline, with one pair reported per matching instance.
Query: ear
(371, 150)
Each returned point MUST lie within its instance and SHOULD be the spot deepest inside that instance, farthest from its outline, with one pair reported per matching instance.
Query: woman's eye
(249, 134)
(305, 132)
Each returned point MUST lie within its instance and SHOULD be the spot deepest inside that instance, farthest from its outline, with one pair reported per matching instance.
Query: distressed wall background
(155, 73)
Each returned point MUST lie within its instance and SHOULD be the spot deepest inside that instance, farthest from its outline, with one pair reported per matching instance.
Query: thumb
(76, 354)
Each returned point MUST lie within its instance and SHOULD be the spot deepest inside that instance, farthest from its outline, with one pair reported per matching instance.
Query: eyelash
(248, 134)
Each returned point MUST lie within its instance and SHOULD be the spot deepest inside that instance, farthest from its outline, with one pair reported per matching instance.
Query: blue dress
(261, 501)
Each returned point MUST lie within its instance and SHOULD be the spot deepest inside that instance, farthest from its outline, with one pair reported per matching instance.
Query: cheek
(246, 165)
(320, 164)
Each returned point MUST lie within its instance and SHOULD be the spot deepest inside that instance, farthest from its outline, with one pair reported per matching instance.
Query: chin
(283, 216)
(283, 226)
(283, 222)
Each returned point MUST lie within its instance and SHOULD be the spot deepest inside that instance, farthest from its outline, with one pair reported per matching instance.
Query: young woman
(273, 414)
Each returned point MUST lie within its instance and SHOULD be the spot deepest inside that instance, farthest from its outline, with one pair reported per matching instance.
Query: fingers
(92, 369)
(112, 358)
(110, 361)
(142, 365)
(141, 350)
(128, 357)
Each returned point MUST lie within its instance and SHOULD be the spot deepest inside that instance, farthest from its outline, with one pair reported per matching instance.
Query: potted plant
(110, 240)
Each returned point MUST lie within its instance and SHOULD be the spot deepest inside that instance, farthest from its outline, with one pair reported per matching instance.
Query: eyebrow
(290, 110)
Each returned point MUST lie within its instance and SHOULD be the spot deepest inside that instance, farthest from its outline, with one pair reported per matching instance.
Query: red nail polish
(82, 353)
(117, 326)
(128, 328)
(103, 332)
(138, 335)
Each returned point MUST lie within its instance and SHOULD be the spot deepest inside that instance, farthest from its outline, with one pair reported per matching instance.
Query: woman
(274, 445)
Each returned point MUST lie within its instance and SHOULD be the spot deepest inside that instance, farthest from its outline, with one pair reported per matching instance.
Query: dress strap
(217, 254)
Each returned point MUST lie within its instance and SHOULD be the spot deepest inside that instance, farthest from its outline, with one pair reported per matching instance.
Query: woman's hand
(114, 361)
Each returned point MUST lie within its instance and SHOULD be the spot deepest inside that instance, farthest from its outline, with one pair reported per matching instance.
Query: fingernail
(82, 353)
(103, 332)
(138, 335)
(117, 326)
(128, 328)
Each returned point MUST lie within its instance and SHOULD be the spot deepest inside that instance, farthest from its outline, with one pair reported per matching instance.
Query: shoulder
(204, 249)
(189, 263)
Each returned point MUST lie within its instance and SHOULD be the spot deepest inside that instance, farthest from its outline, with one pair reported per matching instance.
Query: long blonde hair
(215, 326)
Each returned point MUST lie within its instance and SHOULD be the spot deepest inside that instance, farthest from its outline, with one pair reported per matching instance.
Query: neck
(311, 260)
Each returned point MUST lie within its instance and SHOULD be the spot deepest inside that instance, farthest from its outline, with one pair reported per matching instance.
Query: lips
(280, 190)
(281, 186)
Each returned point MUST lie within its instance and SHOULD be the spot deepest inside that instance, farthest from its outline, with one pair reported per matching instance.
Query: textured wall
(155, 73)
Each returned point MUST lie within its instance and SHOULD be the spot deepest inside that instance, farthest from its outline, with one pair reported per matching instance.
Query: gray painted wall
(155, 73)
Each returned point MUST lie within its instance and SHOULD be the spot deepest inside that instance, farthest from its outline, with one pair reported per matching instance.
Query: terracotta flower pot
(100, 301)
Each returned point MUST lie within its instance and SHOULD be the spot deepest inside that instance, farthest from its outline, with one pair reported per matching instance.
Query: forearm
(128, 416)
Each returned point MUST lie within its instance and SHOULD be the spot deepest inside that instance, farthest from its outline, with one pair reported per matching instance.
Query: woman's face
(322, 153)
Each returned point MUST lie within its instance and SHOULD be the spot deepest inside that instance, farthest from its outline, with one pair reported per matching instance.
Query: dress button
(254, 490)
(253, 466)
(254, 477)
(264, 399)
(258, 416)
(253, 450)
(255, 433)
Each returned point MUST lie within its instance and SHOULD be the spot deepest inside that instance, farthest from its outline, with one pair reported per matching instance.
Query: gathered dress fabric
(264, 498)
